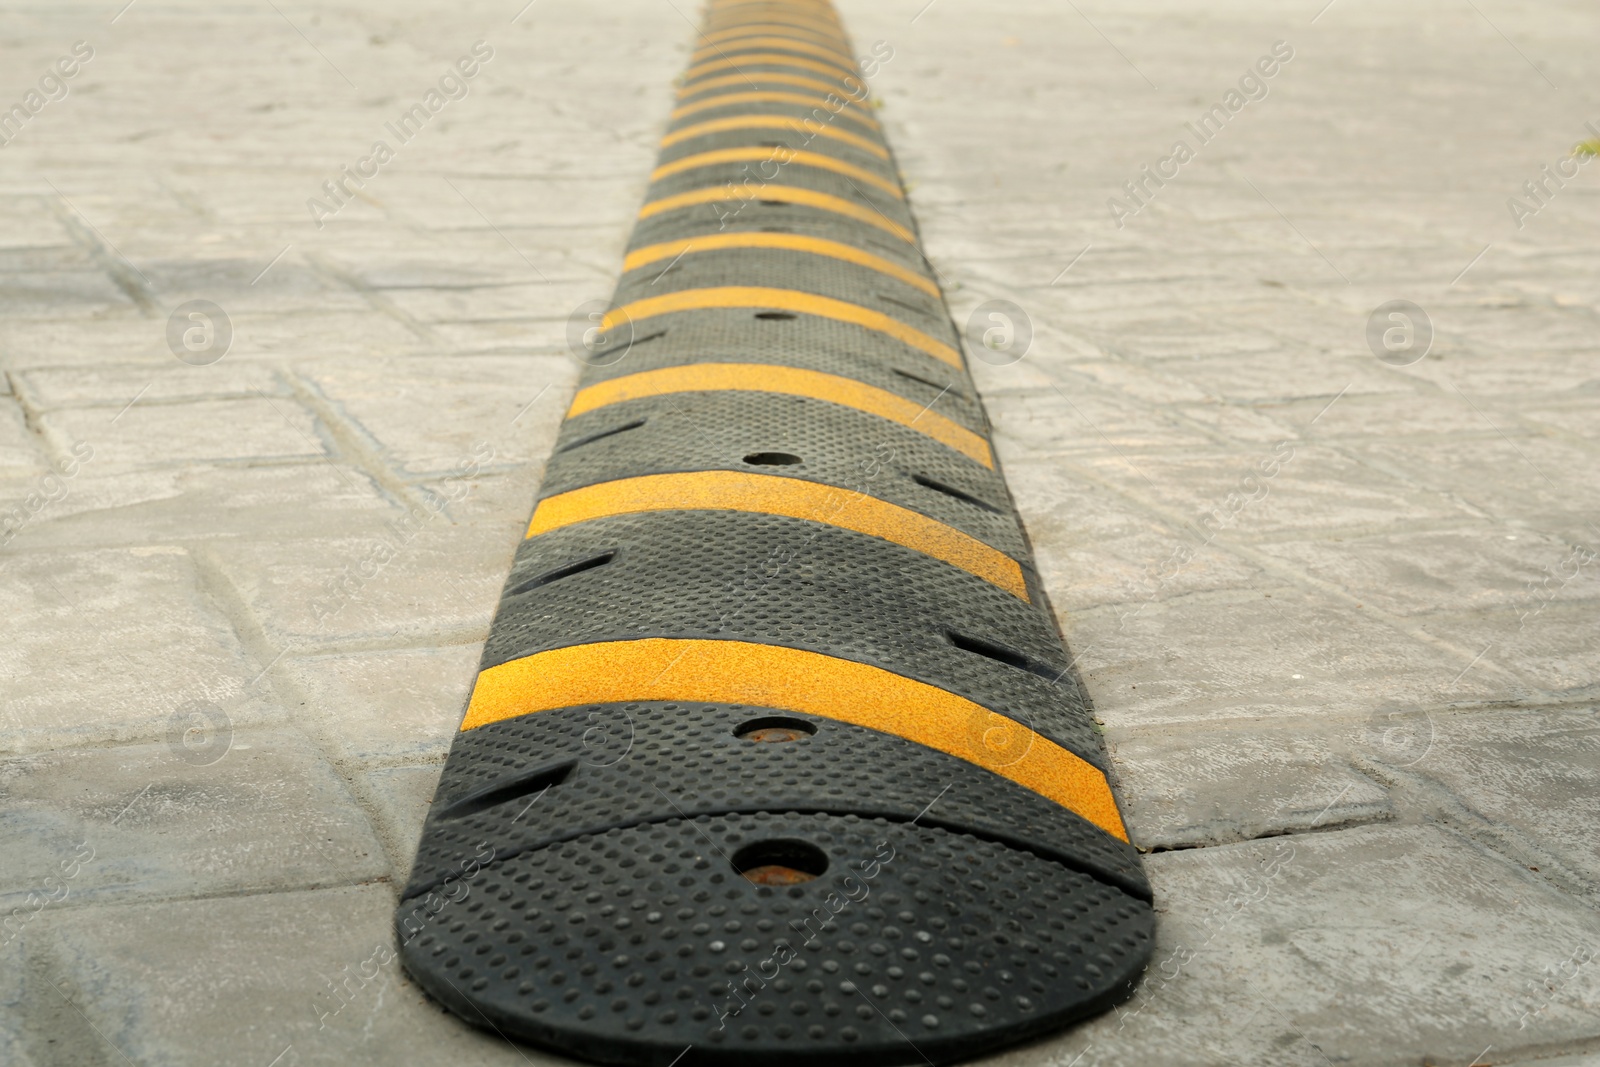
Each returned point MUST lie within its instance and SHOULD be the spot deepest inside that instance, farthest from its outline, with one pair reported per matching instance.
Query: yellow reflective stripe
(800, 30)
(815, 14)
(729, 48)
(792, 157)
(789, 242)
(786, 25)
(754, 296)
(768, 59)
(768, 494)
(790, 381)
(793, 679)
(773, 122)
(773, 19)
(787, 194)
(781, 78)
(774, 97)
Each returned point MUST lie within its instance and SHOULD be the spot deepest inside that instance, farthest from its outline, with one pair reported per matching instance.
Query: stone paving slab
(1352, 719)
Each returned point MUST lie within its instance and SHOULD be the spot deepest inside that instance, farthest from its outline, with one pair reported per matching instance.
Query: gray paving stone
(1266, 490)
(198, 503)
(1533, 770)
(424, 573)
(432, 418)
(1230, 782)
(303, 978)
(1252, 654)
(400, 799)
(1050, 422)
(21, 456)
(1478, 567)
(1549, 650)
(1095, 549)
(403, 703)
(113, 386)
(1369, 945)
(117, 641)
(215, 811)
(201, 431)
(1542, 476)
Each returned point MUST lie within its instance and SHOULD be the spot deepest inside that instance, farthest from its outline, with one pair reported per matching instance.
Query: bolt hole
(773, 459)
(774, 729)
(775, 316)
(780, 863)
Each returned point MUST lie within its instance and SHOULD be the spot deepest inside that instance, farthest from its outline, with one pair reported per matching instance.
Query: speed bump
(775, 749)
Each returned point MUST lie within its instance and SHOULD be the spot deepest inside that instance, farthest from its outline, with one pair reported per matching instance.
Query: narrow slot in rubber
(939, 487)
(562, 572)
(592, 438)
(901, 303)
(924, 381)
(529, 782)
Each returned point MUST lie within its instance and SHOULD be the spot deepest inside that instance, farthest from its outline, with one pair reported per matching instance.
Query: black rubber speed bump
(775, 750)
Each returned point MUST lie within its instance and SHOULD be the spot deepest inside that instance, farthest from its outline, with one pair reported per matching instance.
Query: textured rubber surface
(641, 944)
(775, 749)
(693, 762)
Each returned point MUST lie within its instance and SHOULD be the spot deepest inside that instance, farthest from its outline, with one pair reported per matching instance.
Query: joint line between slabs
(269, 266)
(1514, 47)
(530, 403)
(1332, 402)
(496, 229)
(97, 232)
(132, 402)
(313, 45)
(1293, 227)
(1103, 436)
(1473, 664)
(1074, 263)
(1503, 437)
(1469, 266)
(1114, 48)
(90, 1021)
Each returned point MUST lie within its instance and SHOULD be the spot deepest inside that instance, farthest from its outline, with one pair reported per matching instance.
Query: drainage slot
(947, 490)
(776, 316)
(780, 862)
(925, 381)
(774, 729)
(977, 645)
(535, 780)
(592, 438)
(773, 459)
(902, 303)
(563, 572)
